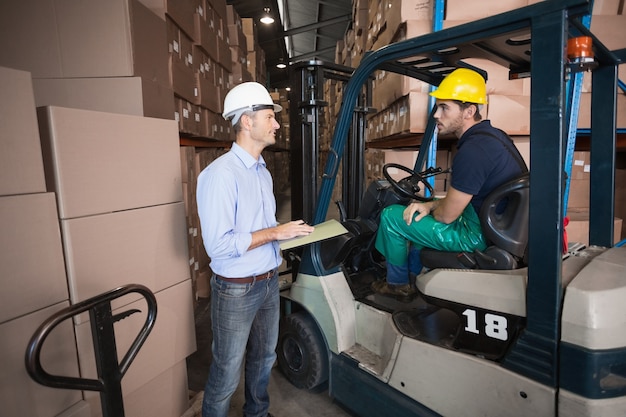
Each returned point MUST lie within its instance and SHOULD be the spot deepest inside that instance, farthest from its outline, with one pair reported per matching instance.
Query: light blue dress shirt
(235, 198)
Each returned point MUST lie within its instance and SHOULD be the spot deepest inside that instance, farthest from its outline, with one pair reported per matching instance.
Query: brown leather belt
(249, 280)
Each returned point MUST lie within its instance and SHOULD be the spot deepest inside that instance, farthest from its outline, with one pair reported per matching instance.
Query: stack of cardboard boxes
(93, 201)
(34, 283)
(238, 47)
(156, 58)
(200, 63)
(578, 200)
(162, 59)
(281, 97)
(122, 221)
(99, 56)
(193, 161)
(256, 55)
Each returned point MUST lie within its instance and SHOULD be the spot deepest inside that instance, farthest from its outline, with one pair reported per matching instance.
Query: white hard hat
(249, 96)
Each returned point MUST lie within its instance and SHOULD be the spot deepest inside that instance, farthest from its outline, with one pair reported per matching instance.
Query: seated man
(486, 158)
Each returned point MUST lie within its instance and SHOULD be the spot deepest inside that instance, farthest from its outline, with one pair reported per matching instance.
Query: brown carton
(31, 260)
(84, 38)
(146, 246)
(125, 95)
(103, 162)
(21, 165)
(509, 113)
(578, 227)
(22, 396)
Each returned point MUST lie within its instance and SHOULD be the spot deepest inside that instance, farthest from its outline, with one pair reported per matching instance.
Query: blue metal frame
(438, 9)
(575, 87)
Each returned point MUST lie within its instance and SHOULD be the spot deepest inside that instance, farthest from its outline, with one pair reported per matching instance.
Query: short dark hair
(464, 105)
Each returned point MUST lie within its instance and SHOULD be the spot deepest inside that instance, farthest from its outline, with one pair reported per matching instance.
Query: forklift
(533, 326)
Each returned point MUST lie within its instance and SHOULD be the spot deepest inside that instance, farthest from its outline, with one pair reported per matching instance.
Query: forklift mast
(535, 34)
(308, 102)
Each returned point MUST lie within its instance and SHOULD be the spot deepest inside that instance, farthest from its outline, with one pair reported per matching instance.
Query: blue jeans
(245, 323)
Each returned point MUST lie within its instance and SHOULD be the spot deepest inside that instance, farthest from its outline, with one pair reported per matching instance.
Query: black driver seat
(504, 220)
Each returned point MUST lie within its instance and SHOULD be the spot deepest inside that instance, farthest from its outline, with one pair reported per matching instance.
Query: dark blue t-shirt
(486, 158)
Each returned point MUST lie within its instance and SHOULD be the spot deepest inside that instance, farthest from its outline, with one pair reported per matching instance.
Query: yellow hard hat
(462, 84)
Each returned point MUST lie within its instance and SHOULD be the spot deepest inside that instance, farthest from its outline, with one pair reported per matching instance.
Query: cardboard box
(389, 87)
(166, 395)
(249, 28)
(478, 9)
(610, 30)
(396, 12)
(236, 35)
(125, 95)
(412, 113)
(578, 227)
(146, 246)
(103, 162)
(509, 113)
(181, 63)
(578, 197)
(192, 119)
(213, 123)
(584, 112)
(205, 32)
(223, 46)
(84, 38)
(208, 94)
(581, 165)
(522, 143)
(408, 159)
(31, 260)
(404, 158)
(80, 409)
(22, 396)
(180, 11)
(204, 65)
(498, 81)
(203, 282)
(600, 7)
(171, 340)
(21, 165)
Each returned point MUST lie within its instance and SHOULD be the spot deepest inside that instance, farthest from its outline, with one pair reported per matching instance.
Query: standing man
(486, 158)
(237, 212)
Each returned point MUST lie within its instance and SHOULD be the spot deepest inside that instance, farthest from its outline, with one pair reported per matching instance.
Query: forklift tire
(301, 351)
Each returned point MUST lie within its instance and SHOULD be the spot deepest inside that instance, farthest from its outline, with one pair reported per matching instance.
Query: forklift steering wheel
(408, 186)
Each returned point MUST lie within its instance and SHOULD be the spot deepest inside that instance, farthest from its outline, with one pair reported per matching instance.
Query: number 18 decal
(495, 326)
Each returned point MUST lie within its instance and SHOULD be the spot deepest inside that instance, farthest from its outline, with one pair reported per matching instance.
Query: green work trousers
(394, 235)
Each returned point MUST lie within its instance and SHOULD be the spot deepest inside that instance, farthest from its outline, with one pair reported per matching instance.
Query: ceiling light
(281, 65)
(267, 18)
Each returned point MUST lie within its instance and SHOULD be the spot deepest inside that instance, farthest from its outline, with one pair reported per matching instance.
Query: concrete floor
(285, 399)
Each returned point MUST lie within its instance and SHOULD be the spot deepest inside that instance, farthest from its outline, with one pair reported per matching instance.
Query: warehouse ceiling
(311, 27)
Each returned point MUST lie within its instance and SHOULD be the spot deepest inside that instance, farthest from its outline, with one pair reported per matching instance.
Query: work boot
(404, 293)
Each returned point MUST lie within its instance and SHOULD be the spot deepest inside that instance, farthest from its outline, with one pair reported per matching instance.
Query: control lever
(342, 210)
(484, 259)
(466, 260)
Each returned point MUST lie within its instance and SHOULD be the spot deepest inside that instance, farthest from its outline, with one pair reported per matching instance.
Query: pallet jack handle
(110, 372)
